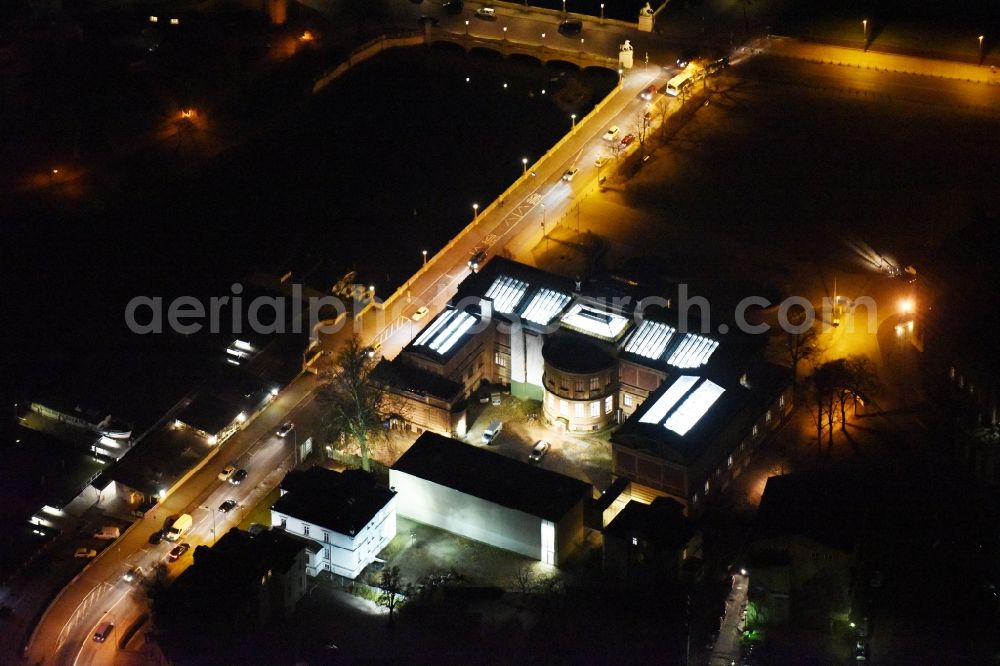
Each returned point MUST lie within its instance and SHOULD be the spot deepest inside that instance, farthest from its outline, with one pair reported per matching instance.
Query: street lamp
(864, 24)
(564, 6)
(602, 12)
(505, 33)
(572, 118)
(475, 211)
(524, 165)
(424, 252)
(981, 49)
(466, 28)
(213, 520)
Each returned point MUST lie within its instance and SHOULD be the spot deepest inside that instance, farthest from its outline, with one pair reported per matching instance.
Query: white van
(679, 84)
(107, 533)
(180, 527)
(491, 432)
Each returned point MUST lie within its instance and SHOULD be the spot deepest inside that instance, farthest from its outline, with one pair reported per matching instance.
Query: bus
(678, 84)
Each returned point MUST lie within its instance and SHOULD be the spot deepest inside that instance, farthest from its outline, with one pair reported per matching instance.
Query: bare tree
(357, 406)
(792, 348)
(524, 580)
(860, 383)
(392, 589)
(640, 123)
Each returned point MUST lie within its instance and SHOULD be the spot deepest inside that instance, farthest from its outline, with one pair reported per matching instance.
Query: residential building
(347, 514)
(803, 546)
(651, 542)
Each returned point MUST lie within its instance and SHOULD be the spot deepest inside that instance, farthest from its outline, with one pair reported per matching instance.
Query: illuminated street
(520, 441)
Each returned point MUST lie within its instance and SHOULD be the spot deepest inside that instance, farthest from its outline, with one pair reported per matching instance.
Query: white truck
(179, 527)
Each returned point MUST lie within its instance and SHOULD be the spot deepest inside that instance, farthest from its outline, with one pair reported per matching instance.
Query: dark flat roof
(406, 377)
(492, 477)
(661, 522)
(342, 502)
(576, 353)
(209, 413)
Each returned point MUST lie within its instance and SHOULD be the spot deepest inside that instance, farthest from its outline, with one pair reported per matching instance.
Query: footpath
(888, 62)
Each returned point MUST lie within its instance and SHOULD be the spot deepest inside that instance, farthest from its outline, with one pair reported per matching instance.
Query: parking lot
(584, 457)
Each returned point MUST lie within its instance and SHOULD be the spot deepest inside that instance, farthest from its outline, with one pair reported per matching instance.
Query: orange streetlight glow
(307, 36)
(187, 113)
(906, 305)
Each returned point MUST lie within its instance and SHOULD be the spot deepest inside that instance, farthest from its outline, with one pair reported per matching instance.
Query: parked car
(538, 451)
(420, 313)
(285, 429)
(486, 13)
(491, 432)
(627, 140)
(496, 398)
(107, 533)
(227, 473)
(601, 161)
(611, 133)
(85, 553)
(571, 28)
(156, 537)
(454, 7)
(570, 173)
(227, 506)
(177, 552)
(239, 477)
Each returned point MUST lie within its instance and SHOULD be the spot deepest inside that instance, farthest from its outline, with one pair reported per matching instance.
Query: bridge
(506, 47)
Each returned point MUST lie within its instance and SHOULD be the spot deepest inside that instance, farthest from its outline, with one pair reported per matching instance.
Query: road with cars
(101, 594)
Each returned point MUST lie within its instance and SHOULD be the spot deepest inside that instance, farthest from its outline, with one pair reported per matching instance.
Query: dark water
(385, 163)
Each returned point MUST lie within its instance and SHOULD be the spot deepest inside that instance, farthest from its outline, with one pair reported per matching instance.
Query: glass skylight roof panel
(435, 326)
(595, 322)
(545, 305)
(650, 339)
(691, 410)
(452, 333)
(506, 293)
(693, 351)
(669, 398)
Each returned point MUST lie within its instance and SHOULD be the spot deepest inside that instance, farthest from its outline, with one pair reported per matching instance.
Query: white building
(488, 497)
(347, 514)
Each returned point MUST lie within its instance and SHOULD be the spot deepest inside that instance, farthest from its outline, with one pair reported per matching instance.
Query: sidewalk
(852, 57)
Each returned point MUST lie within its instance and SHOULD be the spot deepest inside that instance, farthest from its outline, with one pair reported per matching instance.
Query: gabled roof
(342, 502)
(492, 477)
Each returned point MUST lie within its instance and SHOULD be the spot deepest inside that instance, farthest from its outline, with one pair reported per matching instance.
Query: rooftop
(404, 377)
(680, 420)
(575, 353)
(826, 506)
(661, 522)
(343, 502)
(209, 413)
(443, 334)
(492, 477)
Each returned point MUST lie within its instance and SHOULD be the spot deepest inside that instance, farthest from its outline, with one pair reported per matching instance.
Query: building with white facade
(346, 513)
(488, 497)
